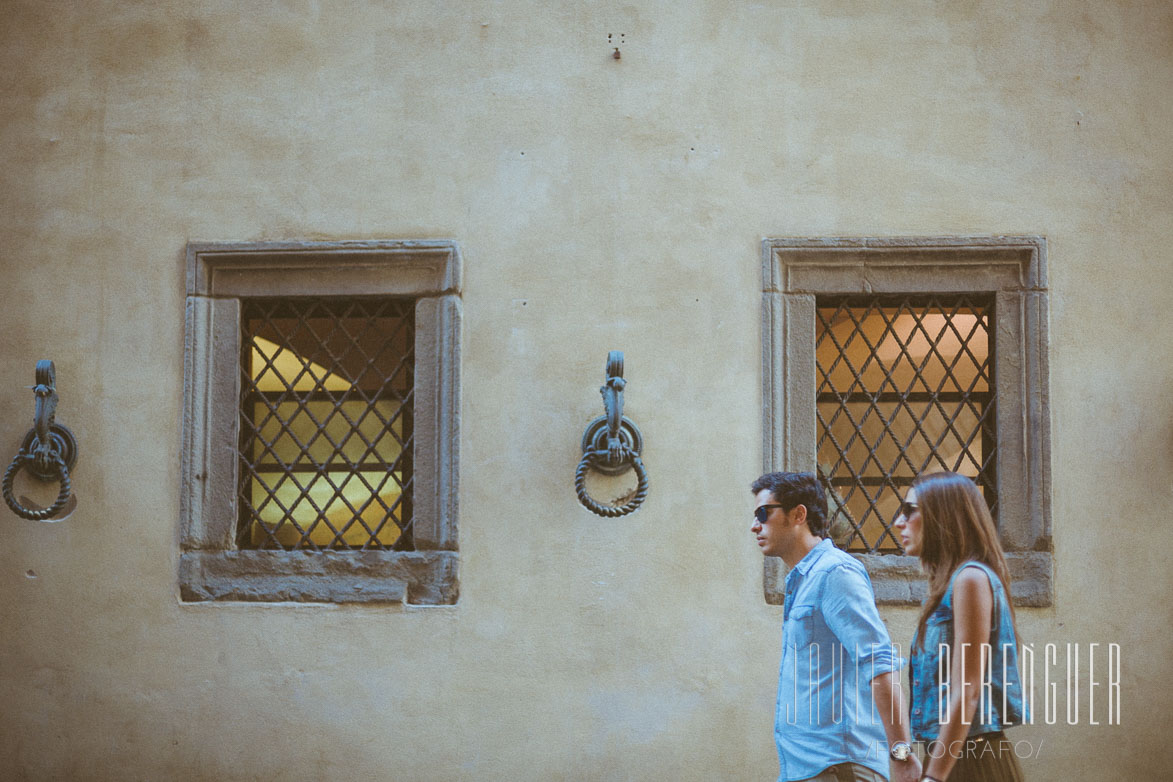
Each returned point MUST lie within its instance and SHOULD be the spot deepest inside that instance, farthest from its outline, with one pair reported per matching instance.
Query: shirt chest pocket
(800, 623)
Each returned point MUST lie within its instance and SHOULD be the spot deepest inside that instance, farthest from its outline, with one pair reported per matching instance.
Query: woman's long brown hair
(956, 527)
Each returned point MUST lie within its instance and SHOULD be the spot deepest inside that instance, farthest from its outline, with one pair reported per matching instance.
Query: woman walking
(965, 682)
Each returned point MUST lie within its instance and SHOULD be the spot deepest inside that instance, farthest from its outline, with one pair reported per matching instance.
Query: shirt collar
(806, 563)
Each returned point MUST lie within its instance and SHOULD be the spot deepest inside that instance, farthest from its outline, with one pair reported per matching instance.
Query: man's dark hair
(798, 488)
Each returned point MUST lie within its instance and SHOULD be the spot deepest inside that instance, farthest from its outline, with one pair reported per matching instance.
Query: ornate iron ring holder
(48, 452)
(611, 445)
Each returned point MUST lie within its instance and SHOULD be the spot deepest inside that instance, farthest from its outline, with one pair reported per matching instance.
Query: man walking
(837, 659)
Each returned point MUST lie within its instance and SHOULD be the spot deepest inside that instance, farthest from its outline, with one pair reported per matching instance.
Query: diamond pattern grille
(326, 424)
(905, 386)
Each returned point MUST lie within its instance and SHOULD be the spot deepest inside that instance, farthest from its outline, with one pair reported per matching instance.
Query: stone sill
(413, 577)
(899, 581)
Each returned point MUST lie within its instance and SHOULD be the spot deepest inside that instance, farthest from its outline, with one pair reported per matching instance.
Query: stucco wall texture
(598, 204)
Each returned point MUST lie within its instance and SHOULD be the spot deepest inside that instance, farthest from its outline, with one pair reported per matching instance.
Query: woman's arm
(973, 607)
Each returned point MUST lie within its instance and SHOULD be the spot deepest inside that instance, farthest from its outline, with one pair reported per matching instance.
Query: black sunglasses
(907, 509)
(762, 512)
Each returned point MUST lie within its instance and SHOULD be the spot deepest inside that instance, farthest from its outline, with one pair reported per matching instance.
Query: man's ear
(799, 512)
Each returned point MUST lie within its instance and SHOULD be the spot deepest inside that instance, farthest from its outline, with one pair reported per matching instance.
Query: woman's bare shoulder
(972, 581)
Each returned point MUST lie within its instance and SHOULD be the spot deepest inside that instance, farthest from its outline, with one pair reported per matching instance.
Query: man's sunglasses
(762, 512)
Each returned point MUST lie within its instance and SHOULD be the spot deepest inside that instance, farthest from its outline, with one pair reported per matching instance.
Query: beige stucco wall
(599, 205)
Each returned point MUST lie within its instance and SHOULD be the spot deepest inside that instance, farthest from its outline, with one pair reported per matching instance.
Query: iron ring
(611, 511)
(23, 459)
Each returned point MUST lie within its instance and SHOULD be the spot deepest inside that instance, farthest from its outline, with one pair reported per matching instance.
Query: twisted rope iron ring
(23, 459)
(611, 511)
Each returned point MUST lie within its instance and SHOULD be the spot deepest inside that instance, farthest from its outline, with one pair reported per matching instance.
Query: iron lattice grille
(905, 386)
(326, 423)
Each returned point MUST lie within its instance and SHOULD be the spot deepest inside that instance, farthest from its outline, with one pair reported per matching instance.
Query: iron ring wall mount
(594, 440)
(48, 451)
(611, 445)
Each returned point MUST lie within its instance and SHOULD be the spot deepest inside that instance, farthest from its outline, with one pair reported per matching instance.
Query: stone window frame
(1012, 268)
(218, 276)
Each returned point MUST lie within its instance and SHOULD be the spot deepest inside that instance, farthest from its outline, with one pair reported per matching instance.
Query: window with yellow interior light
(904, 387)
(326, 414)
(885, 358)
(321, 425)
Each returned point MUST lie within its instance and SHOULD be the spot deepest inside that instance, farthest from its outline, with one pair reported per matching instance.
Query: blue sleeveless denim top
(1002, 704)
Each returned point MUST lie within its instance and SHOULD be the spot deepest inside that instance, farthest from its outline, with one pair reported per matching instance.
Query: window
(325, 424)
(904, 387)
(886, 358)
(321, 422)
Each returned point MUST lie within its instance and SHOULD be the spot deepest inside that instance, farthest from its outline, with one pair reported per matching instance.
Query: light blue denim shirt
(833, 645)
(1000, 702)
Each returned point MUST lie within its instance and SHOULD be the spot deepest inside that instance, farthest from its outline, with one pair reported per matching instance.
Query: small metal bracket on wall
(49, 450)
(611, 445)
